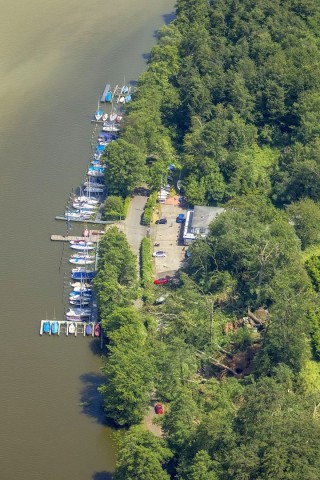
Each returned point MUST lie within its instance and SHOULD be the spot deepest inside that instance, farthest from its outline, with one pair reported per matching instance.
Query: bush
(113, 208)
(148, 209)
(146, 268)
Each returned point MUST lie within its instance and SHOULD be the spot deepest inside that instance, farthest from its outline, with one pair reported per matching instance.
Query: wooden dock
(63, 328)
(68, 238)
(96, 222)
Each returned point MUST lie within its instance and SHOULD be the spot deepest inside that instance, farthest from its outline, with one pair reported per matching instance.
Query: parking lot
(167, 235)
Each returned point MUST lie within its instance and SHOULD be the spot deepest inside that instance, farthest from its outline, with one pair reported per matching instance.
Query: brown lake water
(55, 58)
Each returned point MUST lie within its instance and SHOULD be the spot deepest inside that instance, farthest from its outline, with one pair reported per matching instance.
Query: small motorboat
(89, 329)
(90, 189)
(77, 215)
(82, 289)
(128, 98)
(81, 242)
(97, 330)
(76, 285)
(81, 247)
(54, 328)
(83, 275)
(81, 261)
(82, 255)
(78, 314)
(86, 206)
(85, 199)
(92, 183)
(82, 302)
(46, 327)
(72, 328)
(80, 294)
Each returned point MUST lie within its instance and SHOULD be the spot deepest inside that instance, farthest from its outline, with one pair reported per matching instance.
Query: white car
(159, 253)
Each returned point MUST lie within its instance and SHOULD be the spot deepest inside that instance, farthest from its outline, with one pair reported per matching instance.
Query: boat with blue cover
(83, 275)
(54, 328)
(108, 97)
(46, 327)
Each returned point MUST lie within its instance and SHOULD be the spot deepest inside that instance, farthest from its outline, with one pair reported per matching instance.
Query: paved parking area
(167, 236)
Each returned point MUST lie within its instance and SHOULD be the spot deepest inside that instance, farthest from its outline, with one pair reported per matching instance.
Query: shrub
(146, 268)
(148, 209)
(113, 208)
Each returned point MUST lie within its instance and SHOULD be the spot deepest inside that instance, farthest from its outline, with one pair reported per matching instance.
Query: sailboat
(99, 113)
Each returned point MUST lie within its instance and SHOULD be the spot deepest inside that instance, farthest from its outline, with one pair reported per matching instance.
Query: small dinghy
(89, 329)
(97, 330)
(72, 328)
(46, 327)
(54, 328)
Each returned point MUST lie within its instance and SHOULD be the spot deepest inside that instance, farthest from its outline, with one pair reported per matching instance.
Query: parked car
(161, 221)
(180, 218)
(159, 409)
(161, 281)
(159, 253)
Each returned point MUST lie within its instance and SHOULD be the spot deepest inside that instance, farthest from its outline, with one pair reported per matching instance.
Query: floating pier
(107, 88)
(63, 328)
(97, 222)
(68, 238)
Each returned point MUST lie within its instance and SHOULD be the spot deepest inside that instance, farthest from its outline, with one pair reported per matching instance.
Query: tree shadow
(95, 347)
(102, 476)
(146, 56)
(90, 398)
(169, 17)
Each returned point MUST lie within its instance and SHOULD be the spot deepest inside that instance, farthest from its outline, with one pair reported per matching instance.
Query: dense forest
(231, 97)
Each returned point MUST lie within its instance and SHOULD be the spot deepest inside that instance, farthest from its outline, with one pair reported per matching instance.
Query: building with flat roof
(198, 221)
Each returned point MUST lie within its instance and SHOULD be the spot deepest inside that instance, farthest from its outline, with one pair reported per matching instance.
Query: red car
(161, 281)
(159, 409)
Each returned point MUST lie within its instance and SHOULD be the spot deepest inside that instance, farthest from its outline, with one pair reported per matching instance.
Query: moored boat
(72, 328)
(97, 330)
(78, 314)
(81, 261)
(46, 327)
(82, 289)
(80, 303)
(81, 275)
(87, 206)
(85, 199)
(89, 329)
(80, 241)
(108, 97)
(54, 328)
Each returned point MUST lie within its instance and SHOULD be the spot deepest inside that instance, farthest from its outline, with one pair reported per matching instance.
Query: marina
(81, 318)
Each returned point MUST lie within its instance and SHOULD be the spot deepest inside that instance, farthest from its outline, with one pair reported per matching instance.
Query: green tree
(141, 456)
(128, 372)
(125, 167)
(113, 207)
(305, 216)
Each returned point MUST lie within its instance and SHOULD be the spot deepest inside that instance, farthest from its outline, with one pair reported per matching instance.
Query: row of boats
(52, 327)
(86, 205)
